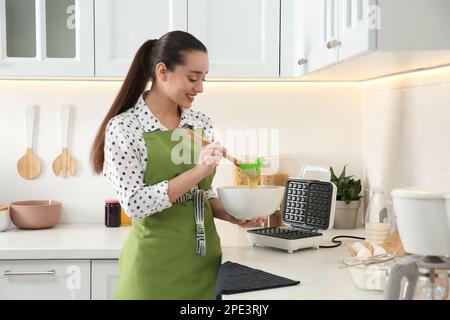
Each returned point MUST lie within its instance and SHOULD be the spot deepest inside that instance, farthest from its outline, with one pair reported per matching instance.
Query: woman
(173, 250)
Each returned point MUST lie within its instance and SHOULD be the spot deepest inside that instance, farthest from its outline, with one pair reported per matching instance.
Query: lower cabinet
(104, 277)
(45, 280)
(58, 279)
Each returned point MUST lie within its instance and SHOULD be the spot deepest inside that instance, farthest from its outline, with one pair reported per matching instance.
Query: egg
(378, 250)
(361, 250)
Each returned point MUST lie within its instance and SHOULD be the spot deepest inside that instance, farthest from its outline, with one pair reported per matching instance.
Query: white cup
(5, 219)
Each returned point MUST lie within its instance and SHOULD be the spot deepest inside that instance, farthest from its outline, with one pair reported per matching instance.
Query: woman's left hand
(256, 222)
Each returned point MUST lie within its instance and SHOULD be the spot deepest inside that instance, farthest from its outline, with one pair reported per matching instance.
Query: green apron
(161, 258)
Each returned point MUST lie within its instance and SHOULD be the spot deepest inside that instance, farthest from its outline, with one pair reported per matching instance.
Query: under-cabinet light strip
(397, 76)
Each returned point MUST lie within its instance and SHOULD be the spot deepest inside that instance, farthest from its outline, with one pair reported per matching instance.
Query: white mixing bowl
(247, 203)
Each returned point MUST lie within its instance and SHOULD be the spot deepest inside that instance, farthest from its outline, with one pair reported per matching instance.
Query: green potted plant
(347, 200)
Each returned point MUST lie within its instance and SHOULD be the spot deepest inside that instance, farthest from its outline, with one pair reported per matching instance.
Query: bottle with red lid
(112, 213)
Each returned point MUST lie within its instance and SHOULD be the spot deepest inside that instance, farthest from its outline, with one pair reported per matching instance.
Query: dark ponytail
(169, 49)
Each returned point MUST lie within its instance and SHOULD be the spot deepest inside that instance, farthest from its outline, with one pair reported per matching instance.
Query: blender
(425, 234)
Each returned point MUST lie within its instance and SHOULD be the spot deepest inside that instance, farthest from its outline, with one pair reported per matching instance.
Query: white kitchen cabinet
(321, 33)
(357, 24)
(45, 279)
(293, 38)
(46, 37)
(104, 277)
(357, 40)
(242, 37)
(122, 26)
(308, 29)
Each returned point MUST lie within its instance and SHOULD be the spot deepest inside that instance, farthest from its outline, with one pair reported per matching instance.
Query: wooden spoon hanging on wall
(64, 163)
(29, 166)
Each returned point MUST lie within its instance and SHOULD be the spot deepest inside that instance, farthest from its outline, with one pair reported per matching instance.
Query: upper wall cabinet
(337, 30)
(46, 38)
(313, 39)
(122, 26)
(242, 37)
(319, 33)
(362, 39)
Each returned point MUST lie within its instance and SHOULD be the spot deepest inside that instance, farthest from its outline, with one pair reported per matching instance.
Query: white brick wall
(406, 131)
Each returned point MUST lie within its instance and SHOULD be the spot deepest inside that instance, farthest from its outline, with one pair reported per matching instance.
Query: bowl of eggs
(367, 275)
(368, 266)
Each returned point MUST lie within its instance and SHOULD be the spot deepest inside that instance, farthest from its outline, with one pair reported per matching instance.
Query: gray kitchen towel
(236, 278)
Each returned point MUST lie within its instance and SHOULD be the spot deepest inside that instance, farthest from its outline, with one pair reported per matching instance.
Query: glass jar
(378, 219)
(112, 213)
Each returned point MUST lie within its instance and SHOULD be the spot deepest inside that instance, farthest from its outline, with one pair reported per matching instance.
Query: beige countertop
(316, 269)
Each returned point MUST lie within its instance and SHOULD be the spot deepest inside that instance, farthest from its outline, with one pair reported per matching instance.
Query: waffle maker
(308, 206)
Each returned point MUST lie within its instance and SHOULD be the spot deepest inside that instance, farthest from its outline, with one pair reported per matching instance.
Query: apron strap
(198, 196)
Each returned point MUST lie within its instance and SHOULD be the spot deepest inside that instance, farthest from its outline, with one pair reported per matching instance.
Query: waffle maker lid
(308, 203)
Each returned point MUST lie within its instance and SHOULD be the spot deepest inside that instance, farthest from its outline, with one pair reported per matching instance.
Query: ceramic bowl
(35, 214)
(5, 219)
(247, 203)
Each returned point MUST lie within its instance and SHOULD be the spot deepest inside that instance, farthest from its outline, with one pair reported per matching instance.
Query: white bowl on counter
(5, 219)
(247, 203)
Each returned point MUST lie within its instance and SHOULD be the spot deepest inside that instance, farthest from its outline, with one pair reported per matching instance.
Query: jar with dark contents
(112, 213)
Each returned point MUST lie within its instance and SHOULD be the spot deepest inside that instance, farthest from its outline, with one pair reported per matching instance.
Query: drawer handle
(302, 61)
(333, 44)
(28, 273)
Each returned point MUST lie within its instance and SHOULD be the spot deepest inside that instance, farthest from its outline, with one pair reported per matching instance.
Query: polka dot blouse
(126, 158)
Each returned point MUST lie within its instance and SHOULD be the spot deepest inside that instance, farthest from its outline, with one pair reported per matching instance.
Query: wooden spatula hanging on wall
(29, 166)
(64, 163)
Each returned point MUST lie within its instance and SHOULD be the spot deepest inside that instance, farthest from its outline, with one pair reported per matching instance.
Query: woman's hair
(170, 50)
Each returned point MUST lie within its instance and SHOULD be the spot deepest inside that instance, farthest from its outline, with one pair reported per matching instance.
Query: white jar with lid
(5, 219)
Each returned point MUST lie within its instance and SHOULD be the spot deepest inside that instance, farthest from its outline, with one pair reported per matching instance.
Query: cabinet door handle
(302, 61)
(28, 273)
(333, 44)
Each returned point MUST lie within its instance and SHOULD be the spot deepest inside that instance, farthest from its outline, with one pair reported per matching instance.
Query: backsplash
(406, 131)
(319, 123)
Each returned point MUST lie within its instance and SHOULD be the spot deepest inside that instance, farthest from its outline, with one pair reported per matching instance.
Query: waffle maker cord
(338, 243)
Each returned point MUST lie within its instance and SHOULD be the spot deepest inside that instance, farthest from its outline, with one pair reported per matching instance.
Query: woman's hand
(219, 212)
(209, 158)
(256, 222)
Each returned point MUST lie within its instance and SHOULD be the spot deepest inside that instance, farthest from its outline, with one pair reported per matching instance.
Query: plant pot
(346, 214)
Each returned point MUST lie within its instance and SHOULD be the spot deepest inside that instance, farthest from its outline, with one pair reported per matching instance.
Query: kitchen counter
(64, 241)
(316, 269)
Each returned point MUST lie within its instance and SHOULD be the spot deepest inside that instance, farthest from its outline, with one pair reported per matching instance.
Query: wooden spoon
(29, 166)
(64, 163)
(205, 142)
